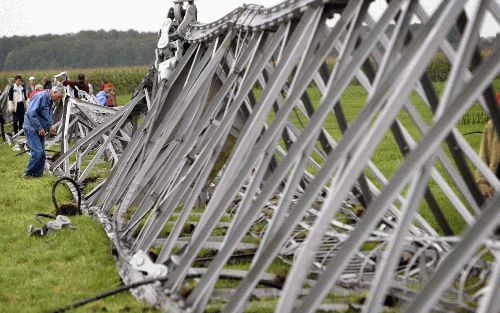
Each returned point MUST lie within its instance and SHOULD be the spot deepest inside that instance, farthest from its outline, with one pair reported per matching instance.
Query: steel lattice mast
(246, 155)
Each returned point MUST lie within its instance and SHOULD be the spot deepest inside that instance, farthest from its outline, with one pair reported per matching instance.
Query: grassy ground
(42, 274)
(123, 99)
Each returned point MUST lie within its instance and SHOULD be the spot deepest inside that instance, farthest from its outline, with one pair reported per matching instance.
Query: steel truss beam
(250, 154)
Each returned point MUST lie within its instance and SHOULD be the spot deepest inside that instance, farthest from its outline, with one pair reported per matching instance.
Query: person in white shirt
(17, 103)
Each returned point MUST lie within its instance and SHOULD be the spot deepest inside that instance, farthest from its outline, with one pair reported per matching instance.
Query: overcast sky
(30, 17)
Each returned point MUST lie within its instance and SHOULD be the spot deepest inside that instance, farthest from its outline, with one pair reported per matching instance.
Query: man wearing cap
(31, 85)
(37, 123)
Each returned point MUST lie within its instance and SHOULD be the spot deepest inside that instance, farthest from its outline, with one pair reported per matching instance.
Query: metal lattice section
(89, 134)
(252, 177)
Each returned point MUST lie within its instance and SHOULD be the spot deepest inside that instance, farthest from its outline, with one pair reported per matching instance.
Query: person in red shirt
(37, 89)
(112, 95)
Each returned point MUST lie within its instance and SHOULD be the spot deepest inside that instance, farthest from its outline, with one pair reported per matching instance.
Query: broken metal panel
(88, 132)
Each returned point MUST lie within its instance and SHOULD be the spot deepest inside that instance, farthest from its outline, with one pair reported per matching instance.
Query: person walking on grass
(37, 124)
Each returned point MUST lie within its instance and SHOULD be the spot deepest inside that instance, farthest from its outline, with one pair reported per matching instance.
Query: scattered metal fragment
(59, 222)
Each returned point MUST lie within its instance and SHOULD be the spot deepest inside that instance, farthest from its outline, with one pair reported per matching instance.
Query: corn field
(125, 79)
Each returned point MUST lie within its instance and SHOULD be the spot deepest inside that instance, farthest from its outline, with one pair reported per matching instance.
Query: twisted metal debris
(246, 169)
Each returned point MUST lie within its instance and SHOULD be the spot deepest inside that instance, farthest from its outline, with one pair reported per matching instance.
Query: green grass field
(41, 274)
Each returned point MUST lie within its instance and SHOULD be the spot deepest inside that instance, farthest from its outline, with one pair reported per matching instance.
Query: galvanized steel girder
(236, 155)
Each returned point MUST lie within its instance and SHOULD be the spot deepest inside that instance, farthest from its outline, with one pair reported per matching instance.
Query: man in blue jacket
(37, 123)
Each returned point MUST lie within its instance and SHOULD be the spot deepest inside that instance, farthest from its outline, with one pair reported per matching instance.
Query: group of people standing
(19, 97)
(32, 105)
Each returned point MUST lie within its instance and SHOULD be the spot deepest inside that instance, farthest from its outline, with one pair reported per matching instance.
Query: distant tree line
(91, 49)
(83, 50)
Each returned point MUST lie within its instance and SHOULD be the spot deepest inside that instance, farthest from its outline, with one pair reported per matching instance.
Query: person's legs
(42, 158)
(20, 114)
(36, 164)
(15, 122)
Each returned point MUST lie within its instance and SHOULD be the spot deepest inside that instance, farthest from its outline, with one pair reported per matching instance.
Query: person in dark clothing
(81, 84)
(17, 103)
(47, 84)
(2, 120)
